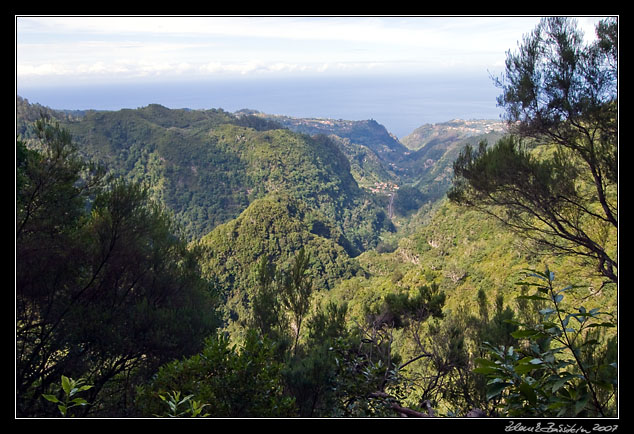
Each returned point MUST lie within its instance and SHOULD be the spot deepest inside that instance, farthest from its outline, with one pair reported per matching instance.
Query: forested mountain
(423, 159)
(207, 166)
(451, 131)
(368, 133)
(275, 227)
(207, 263)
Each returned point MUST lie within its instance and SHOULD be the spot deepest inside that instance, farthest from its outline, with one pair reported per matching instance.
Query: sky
(402, 71)
(66, 50)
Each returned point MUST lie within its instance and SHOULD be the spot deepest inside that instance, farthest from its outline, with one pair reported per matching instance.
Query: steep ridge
(366, 132)
(450, 131)
(275, 227)
(207, 166)
(436, 146)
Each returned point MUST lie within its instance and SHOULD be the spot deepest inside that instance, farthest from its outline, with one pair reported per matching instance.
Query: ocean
(400, 103)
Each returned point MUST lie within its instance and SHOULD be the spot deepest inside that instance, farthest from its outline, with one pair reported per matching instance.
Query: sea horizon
(400, 103)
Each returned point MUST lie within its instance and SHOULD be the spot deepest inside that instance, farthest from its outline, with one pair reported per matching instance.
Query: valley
(177, 263)
(208, 165)
(248, 189)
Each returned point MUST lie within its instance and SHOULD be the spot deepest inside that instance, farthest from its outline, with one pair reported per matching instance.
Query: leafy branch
(174, 402)
(70, 388)
(550, 375)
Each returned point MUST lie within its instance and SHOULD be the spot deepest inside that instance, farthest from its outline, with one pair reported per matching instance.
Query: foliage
(70, 388)
(274, 230)
(371, 377)
(267, 313)
(429, 168)
(555, 91)
(297, 288)
(174, 401)
(559, 88)
(207, 166)
(102, 284)
(402, 309)
(541, 199)
(229, 381)
(408, 199)
(310, 374)
(361, 381)
(324, 310)
(549, 375)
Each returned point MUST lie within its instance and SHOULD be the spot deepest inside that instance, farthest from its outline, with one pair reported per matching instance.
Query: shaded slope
(207, 166)
(276, 227)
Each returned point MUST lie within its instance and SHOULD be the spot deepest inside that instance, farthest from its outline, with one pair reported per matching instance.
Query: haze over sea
(400, 103)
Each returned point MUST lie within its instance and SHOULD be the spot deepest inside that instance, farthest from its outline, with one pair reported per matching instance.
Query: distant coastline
(401, 105)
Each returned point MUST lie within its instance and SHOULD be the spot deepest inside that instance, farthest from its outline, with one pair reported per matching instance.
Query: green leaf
(527, 391)
(485, 362)
(496, 388)
(51, 398)
(62, 409)
(558, 384)
(520, 334)
(581, 404)
(561, 381)
(486, 370)
(79, 401)
(524, 368)
(66, 385)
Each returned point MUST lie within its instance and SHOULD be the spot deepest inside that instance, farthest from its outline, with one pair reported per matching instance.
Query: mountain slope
(207, 166)
(436, 146)
(276, 227)
(367, 132)
(421, 162)
(450, 131)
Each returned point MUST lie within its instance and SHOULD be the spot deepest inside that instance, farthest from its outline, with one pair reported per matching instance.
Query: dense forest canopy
(201, 263)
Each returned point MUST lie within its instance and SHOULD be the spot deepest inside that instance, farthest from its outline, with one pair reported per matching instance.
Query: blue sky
(56, 50)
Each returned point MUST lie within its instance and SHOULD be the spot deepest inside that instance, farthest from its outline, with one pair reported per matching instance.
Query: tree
(296, 290)
(371, 377)
(267, 315)
(311, 377)
(265, 304)
(560, 368)
(559, 93)
(230, 381)
(103, 286)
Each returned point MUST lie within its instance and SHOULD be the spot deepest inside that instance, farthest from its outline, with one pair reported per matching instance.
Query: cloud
(43, 69)
(130, 47)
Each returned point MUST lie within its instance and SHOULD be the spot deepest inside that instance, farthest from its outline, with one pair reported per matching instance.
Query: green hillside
(435, 147)
(275, 227)
(207, 166)
(248, 193)
(369, 133)
(249, 265)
